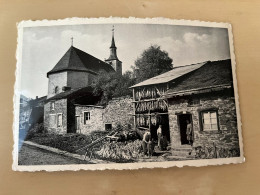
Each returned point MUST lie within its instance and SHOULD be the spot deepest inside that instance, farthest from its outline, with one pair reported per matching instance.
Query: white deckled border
(119, 166)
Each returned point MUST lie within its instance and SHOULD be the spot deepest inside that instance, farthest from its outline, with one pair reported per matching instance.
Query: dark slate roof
(166, 77)
(211, 75)
(77, 60)
(69, 93)
(73, 94)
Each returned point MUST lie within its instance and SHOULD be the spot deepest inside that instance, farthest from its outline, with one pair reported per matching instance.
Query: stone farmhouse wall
(118, 112)
(225, 137)
(96, 119)
(60, 107)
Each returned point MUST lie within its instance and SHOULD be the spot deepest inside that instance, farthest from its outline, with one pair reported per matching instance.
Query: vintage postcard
(125, 93)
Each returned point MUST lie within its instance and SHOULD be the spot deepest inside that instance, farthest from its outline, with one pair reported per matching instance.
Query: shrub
(38, 128)
(209, 152)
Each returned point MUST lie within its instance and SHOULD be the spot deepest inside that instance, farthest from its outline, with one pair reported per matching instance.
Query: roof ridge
(164, 77)
(203, 63)
(191, 64)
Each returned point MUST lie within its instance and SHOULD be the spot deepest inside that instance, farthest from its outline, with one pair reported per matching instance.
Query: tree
(153, 61)
(109, 85)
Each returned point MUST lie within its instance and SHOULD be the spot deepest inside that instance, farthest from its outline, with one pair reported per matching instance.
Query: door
(183, 118)
(77, 122)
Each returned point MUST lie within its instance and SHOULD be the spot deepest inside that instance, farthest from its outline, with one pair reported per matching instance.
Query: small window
(86, 117)
(209, 120)
(59, 122)
(56, 90)
(52, 105)
(108, 127)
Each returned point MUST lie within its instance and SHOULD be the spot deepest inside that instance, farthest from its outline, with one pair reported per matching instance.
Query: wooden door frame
(178, 122)
(77, 124)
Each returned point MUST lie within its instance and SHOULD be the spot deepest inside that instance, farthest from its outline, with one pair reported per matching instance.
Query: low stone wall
(227, 135)
(118, 112)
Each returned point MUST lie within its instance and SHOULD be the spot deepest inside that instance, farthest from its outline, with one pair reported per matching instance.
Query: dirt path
(29, 155)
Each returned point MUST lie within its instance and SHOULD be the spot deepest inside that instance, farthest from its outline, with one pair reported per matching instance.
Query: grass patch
(69, 142)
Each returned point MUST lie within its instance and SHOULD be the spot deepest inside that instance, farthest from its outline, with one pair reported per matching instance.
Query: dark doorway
(183, 127)
(163, 119)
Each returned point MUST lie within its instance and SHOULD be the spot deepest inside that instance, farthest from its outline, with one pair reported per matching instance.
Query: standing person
(153, 131)
(159, 135)
(150, 148)
(189, 132)
(146, 139)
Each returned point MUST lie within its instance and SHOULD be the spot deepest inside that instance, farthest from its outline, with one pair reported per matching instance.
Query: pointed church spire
(113, 45)
(113, 59)
(113, 55)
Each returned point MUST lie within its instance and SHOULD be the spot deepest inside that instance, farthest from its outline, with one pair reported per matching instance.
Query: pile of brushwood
(122, 136)
(121, 151)
(118, 146)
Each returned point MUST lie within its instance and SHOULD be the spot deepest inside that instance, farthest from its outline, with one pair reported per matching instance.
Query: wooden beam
(165, 103)
(154, 113)
(148, 100)
(158, 91)
(134, 108)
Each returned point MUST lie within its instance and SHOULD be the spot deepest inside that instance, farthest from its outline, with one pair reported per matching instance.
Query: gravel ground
(29, 155)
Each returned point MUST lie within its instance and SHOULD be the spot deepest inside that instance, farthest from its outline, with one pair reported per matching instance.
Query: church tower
(113, 59)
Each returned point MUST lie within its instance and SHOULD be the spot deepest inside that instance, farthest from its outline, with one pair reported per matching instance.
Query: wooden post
(149, 120)
(134, 109)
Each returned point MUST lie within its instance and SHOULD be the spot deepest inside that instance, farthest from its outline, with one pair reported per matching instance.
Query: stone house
(76, 111)
(201, 93)
(92, 117)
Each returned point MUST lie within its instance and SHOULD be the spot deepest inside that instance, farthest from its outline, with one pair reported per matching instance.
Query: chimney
(36, 97)
(65, 88)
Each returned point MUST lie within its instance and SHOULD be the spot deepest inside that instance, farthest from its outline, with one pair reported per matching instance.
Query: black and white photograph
(125, 93)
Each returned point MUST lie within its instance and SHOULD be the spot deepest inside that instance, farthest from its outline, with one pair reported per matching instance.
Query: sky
(44, 46)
